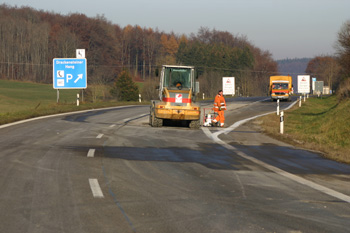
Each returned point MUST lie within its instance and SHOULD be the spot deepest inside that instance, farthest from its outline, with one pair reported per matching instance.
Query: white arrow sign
(80, 76)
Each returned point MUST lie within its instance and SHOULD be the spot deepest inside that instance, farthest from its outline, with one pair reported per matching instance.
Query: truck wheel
(153, 120)
(150, 119)
(195, 124)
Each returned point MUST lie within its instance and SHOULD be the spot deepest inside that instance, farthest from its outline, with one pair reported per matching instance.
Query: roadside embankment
(320, 124)
(22, 100)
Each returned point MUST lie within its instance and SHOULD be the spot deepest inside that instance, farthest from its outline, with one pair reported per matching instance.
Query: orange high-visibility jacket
(219, 103)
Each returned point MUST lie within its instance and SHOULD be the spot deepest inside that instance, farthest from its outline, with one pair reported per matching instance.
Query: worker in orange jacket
(220, 107)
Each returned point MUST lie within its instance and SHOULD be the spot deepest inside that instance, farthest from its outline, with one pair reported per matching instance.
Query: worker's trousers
(220, 117)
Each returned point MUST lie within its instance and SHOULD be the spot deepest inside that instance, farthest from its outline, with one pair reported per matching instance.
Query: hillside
(110, 49)
(293, 67)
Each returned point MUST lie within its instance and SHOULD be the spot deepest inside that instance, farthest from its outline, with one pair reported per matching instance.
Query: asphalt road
(109, 171)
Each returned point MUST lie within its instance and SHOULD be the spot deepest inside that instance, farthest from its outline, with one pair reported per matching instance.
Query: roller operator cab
(177, 94)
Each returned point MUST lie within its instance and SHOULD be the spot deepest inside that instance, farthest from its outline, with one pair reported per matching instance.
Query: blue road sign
(69, 73)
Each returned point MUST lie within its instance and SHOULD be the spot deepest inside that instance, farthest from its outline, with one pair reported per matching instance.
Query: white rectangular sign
(304, 84)
(313, 83)
(178, 98)
(80, 53)
(228, 85)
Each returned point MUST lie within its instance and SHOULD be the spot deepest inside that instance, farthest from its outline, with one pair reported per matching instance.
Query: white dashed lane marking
(95, 188)
(91, 153)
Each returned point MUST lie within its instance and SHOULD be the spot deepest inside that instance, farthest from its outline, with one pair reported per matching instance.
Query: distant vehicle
(177, 94)
(281, 87)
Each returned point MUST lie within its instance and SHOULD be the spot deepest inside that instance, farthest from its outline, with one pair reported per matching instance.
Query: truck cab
(281, 87)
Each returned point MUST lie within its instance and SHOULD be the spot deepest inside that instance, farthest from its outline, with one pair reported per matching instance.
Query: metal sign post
(58, 95)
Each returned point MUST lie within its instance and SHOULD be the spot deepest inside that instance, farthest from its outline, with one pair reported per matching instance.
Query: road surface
(109, 171)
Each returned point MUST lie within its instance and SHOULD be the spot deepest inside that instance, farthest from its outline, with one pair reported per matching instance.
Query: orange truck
(281, 87)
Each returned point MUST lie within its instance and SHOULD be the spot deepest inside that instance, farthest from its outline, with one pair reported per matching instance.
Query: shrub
(124, 88)
(343, 91)
(149, 90)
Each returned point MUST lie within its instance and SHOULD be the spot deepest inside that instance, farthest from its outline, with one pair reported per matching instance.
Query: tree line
(335, 70)
(31, 39)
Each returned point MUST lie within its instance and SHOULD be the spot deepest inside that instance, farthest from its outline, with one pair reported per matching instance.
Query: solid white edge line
(95, 188)
(60, 114)
(126, 119)
(300, 180)
(91, 153)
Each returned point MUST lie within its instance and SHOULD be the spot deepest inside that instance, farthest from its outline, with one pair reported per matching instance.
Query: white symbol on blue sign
(60, 74)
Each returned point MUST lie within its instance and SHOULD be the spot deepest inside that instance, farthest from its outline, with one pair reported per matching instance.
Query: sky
(285, 28)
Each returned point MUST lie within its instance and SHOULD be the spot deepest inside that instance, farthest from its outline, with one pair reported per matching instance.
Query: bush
(125, 89)
(343, 91)
(149, 91)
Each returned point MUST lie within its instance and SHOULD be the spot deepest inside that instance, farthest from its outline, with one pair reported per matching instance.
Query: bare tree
(343, 47)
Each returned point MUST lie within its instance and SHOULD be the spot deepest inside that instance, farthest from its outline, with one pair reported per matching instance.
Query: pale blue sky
(286, 28)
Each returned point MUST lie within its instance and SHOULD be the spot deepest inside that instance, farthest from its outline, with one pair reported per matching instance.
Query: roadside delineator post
(78, 99)
(278, 107)
(304, 97)
(300, 102)
(140, 98)
(203, 95)
(281, 122)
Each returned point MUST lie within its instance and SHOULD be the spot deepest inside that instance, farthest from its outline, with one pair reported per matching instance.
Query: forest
(31, 39)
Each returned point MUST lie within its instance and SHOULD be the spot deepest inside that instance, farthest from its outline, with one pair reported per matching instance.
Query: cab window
(177, 78)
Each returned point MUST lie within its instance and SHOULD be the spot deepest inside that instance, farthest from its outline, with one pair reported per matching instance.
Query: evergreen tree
(125, 89)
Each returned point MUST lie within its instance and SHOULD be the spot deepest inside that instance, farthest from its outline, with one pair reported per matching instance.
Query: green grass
(140, 85)
(20, 96)
(321, 124)
(21, 100)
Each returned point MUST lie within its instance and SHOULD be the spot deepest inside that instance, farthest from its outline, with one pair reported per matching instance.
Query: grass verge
(20, 100)
(321, 124)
